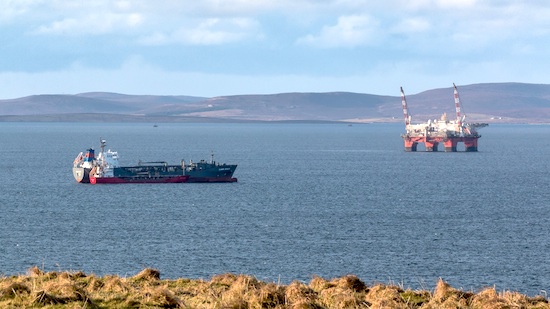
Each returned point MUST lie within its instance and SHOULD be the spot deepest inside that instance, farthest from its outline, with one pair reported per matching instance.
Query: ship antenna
(212, 156)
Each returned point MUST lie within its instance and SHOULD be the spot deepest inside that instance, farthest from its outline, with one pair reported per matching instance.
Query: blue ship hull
(210, 172)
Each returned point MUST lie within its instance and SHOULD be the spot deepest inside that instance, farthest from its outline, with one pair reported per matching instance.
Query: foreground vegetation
(39, 289)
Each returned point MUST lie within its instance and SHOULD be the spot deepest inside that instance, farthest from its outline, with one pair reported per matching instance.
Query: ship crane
(432, 133)
(405, 108)
(457, 106)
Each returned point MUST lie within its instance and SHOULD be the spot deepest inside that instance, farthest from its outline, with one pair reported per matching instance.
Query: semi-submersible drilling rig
(434, 132)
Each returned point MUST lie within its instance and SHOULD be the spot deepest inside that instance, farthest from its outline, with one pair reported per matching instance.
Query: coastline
(75, 289)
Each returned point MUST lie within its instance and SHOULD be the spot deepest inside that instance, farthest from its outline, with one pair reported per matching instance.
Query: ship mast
(101, 156)
(102, 143)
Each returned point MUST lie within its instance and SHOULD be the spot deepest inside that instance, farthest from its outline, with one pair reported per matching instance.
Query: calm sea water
(312, 199)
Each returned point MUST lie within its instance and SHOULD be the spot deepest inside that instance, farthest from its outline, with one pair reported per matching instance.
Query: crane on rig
(434, 132)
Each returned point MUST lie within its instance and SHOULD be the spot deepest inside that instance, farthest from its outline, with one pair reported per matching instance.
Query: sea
(311, 200)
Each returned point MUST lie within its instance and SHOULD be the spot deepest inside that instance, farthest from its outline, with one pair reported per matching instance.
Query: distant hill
(497, 102)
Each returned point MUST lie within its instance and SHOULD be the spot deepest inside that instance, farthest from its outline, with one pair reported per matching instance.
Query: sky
(213, 48)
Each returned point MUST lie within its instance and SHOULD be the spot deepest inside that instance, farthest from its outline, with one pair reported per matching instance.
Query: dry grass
(38, 289)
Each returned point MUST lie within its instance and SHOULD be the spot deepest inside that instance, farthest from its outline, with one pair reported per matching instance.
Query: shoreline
(72, 289)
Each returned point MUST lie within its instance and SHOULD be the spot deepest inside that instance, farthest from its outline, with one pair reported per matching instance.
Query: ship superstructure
(443, 130)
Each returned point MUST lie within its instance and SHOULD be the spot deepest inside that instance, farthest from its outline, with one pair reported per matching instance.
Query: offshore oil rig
(435, 132)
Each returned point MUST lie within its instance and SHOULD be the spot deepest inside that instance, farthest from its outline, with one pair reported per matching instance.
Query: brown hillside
(499, 102)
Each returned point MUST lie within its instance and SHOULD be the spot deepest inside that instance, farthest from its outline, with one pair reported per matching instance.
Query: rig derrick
(435, 132)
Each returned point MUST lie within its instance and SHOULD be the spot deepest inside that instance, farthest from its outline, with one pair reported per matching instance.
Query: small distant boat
(105, 168)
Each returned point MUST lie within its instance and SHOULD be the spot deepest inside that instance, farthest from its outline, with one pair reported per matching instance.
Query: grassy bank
(38, 289)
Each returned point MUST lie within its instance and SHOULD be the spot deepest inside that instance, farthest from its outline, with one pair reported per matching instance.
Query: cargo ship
(105, 168)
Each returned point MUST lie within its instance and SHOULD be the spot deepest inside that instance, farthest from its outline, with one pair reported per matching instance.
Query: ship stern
(81, 174)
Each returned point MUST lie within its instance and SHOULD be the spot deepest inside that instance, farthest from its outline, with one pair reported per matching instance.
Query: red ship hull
(116, 180)
(212, 179)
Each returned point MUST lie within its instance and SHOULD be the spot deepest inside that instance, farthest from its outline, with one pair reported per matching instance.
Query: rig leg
(410, 146)
(431, 146)
(450, 145)
(470, 144)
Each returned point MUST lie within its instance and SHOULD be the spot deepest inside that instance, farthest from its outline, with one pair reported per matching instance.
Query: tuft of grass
(10, 290)
(415, 299)
(350, 282)
(300, 294)
(385, 296)
(318, 284)
(148, 274)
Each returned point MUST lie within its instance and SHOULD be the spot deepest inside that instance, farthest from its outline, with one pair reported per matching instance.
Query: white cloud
(499, 27)
(424, 34)
(238, 6)
(211, 31)
(91, 24)
(12, 9)
(349, 31)
(412, 25)
(434, 4)
(455, 3)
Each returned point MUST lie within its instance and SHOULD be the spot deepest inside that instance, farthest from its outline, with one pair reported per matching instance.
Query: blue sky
(225, 47)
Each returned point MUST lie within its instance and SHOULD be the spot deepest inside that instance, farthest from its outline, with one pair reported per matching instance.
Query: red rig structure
(435, 132)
